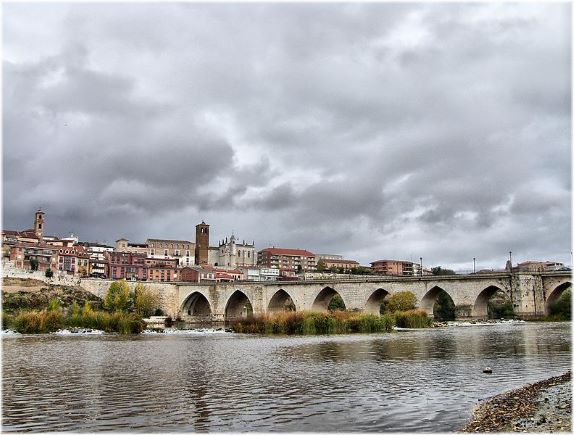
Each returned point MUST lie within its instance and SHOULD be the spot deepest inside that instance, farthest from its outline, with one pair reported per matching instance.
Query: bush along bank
(337, 322)
(54, 318)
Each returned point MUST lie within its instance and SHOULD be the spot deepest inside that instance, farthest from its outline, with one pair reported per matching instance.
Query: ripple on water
(409, 381)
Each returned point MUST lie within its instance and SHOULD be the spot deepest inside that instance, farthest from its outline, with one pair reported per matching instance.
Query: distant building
(126, 265)
(23, 254)
(196, 274)
(182, 250)
(417, 270)
(212, 256)
(259, 273)
(98, 266)
(393, 267)
(202, 244)
(162, 269)
(74, 260)
(538, 266)
(328, 257)
(233, 254)
(288, 261)
(346, 265)
(124, 245)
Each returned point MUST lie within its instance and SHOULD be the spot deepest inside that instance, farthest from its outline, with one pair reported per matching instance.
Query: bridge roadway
(530, 294)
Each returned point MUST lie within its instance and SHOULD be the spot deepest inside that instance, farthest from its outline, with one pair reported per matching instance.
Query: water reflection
(426, 380)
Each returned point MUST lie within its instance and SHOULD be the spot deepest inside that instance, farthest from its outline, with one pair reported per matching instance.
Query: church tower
(39, 224)
(201, 243)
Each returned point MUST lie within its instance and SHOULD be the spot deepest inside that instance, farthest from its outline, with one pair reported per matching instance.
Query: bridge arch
(238, 306)
(373, 304)
(321, 302)
(555, 295)
(281, 301)
(430, 297)
(197, 305)
(480, 307)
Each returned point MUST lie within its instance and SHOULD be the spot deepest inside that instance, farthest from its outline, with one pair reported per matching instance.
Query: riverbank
(544, 406)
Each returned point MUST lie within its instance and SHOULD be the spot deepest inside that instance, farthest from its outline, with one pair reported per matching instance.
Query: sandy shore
(545, 406)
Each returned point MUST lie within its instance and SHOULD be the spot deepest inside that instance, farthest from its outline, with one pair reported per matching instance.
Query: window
(165, 252)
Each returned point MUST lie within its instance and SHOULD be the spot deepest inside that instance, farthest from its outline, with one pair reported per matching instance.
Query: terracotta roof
(10, 233)
(392, 261)
(285, 251)
(36, 245)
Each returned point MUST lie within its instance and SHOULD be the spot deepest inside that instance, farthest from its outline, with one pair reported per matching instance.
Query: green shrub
(118, 297)
(400, 301)
(53, 304)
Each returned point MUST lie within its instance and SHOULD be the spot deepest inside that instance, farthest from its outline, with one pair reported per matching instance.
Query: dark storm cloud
(370, 130)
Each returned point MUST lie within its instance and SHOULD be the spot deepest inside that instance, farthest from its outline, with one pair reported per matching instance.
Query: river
(423, 381)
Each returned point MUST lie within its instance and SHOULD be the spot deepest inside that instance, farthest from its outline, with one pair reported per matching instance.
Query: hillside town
(164, 260)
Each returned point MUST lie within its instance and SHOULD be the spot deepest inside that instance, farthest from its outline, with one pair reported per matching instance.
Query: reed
(45, 321)
(311, 323)
(412, 319)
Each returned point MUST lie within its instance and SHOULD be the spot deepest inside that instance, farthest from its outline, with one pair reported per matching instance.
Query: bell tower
(201, 243)
(39, 224)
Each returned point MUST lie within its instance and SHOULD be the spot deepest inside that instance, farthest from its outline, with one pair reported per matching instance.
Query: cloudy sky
(373, 131)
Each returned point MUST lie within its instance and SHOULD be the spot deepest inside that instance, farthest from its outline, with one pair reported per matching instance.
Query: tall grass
(310, 323)
(412, 319)
(45, 321)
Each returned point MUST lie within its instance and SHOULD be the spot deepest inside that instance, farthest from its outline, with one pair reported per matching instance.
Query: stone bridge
(530, 294)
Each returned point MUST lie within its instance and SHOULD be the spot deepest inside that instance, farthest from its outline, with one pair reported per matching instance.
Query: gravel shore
(545, 406)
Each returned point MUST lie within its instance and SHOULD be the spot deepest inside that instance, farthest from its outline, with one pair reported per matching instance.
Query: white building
(182, 250)
(232, 254)
(259, 273)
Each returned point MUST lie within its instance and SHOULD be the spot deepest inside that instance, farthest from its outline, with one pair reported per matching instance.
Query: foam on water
(80, 331)
(199, 331)
(485, 323)
(9, 332)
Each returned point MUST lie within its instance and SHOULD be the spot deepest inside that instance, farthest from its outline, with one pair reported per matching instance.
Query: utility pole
(473, 264)
(421, 266)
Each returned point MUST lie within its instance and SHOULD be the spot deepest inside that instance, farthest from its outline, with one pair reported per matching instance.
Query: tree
(401, 301)
(440, 271)
(444, 308)
(562, 307)
(33, 264)
(49, 273)
(146, 301)
(118, 297)
(321, 266)
(336, 304)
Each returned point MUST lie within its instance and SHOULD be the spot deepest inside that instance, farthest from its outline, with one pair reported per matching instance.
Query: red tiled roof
(392, 261)
(10, 233)
(285, 251)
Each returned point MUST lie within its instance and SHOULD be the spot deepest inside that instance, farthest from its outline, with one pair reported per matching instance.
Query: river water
(408, 381)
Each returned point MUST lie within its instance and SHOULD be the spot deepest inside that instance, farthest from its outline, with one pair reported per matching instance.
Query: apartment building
(288, 261)
(393, 267)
